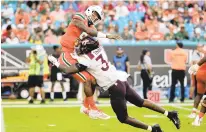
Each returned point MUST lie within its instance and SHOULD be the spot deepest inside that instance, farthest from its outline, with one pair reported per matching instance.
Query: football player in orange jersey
(81, 25)
(200, 70)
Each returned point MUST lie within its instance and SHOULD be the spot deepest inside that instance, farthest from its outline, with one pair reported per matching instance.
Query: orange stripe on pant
(67, 60)
(201, 81)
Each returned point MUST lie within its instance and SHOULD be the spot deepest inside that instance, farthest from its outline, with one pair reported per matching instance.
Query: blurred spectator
(131, 27)
(6, 33)
(157, 35)
(44, 16)
(34, 12)
(194, 13)
(182, 34)
(35, 24)
(7, 11)
(169, 16)
(143, 6)
(142, 33)
(165, 5)
(57, 14)
(46, 21)
(163, 27)
(12, 39)
(121, 60)
(22, 16)
(111, 28)
(70, 6)
(44, 6)
(50, 38)
(82, 5)
(197, 36)
(110, 19)
(202, 25)
(126, 35)
(131, 6)
(170, 35)
(8, 22)
(22, 33)
(61, 30)
(36, 39)
(121, 10)
(107, 7)
(151, 24)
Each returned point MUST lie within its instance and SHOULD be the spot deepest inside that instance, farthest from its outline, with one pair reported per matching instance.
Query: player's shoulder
(80, 16)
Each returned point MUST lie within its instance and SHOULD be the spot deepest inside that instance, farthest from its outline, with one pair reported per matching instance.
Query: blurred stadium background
(155, 25)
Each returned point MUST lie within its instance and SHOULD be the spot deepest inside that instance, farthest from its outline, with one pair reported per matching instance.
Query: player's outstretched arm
(75, 68)
(93, 32)
(68, 70)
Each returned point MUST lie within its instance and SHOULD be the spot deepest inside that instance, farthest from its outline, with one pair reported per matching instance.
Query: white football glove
(193, 69)
(53, 60)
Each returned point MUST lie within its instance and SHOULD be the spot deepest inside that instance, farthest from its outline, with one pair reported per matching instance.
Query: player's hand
(114, 36)
(193, 69)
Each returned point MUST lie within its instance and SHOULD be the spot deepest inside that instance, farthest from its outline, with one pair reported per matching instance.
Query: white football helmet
(97, 9)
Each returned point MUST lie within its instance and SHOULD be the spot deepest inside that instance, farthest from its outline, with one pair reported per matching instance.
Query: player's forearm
(68, 70)
(95, 33)
(203, 60)
(91, 32)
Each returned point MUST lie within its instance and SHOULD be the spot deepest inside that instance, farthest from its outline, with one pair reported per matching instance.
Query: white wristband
(101, 35)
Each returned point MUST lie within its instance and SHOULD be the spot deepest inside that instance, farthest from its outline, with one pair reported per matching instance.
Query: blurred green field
(69, 119)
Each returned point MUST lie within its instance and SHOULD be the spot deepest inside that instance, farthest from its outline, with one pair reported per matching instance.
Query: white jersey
(98, 66)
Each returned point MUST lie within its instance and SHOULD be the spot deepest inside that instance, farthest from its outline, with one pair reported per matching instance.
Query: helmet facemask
(94, 14)
(94, 18)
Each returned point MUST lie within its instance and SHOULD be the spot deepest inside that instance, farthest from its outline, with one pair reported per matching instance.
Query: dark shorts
(119, 93)
(34, 81)
(53, 77)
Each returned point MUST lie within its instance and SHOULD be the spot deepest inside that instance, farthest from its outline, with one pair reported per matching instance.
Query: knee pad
(122, 118)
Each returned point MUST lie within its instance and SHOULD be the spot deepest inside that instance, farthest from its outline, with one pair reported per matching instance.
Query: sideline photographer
(36, 71)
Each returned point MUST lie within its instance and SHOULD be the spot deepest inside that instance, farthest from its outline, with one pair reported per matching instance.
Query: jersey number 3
(100, 57)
